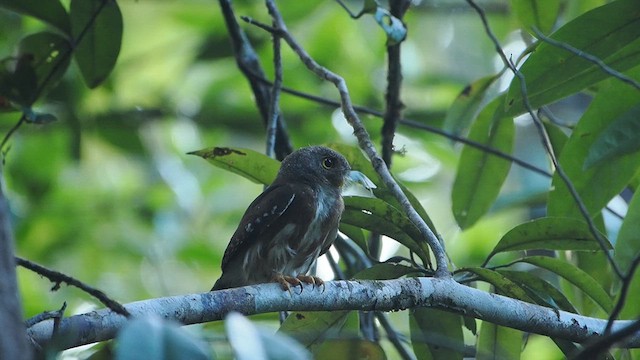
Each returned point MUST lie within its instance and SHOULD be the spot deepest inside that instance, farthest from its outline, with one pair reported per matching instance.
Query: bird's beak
(360, 178)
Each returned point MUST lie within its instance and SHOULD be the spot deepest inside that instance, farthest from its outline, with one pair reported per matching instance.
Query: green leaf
(557, 137)
(549, 233)
(501, 283)
(384, 271)
(247, 163)
(539, 14)
(378, 216)
(354, 233)
(621, 137)
(156, 338)
(601, 182)
(436, 334)
(49, 11)
(466, 106)
(540, 290)
(480, 175)
(553, 73)
(41, 60)
(498, 342)
(627, 246)
(311, 328)
(574, 275)
(96, 26)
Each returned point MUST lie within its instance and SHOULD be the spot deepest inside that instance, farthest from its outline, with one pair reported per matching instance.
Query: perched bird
(292, 223)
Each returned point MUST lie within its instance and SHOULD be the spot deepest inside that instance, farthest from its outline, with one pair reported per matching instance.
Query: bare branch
(365, 141)
(58, 277)
(370, 295)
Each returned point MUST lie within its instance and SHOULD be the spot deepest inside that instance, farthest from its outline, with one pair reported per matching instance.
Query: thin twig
(601, 64)
(546, 142)
(601, 344)
(55, 314)
(394, 337)
(365, 142)
(247, 58)
(58, 277)
(624, 290)
(274, 109)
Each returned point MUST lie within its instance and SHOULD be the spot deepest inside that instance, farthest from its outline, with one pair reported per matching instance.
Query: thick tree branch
(370, 295)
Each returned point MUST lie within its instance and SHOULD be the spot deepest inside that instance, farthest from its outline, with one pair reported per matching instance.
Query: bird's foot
(286, 282)
(308, 279)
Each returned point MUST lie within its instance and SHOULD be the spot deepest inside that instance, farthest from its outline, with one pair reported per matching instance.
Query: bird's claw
(287, 281)
(308, 279)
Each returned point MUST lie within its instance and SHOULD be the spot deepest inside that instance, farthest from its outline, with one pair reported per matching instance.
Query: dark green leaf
(311, 328)
(498, 343)
(49, 11)
(539, 14)
(540, 290)
(350, 349)
(436, 334)
(600, 183)
(96, 26)
(354, 233)
(41, 60)
(553, 73)
(621, 137)
(550, 233)
(557, 137)
(574, 275)
(155, 338)
(384, 272)
(480, 175)
(466, 106)
(378, 216)
(627, 246)
(501, 283)
(250, 164)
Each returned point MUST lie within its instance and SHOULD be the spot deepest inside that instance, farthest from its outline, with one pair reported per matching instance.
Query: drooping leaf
(540, 290)
(466, 106)
(501, 283)
(480, 175)
(601, 182)
(550, 233)
(621, 137)
(627, 246)
(96, 26)
(247, 163)
(574, 275)
(436, 334)
(156, 338)
(552, 73)
(49, 11)
(354, 233)
(41, 60)
(378, 216)
(312, 328)
(497, 342)
(539, 14)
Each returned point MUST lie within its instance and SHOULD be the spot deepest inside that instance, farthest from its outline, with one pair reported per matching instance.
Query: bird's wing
(277, 206)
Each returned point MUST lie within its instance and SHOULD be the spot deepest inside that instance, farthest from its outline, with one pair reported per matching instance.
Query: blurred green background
(108, 195)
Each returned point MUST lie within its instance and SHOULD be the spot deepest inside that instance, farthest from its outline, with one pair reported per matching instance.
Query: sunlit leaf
(436, 334)
(247, 163)
(97, 27)
(553, 73)
(621, 137)
(480, 175)
(49, 11)
(574, 275)
(466, 106)
(539, 14)
(550, 233)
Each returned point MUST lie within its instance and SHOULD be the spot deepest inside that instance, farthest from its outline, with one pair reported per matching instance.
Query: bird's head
(315, 165)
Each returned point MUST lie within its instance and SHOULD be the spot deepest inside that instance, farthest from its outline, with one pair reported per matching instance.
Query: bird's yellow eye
(328, 163)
